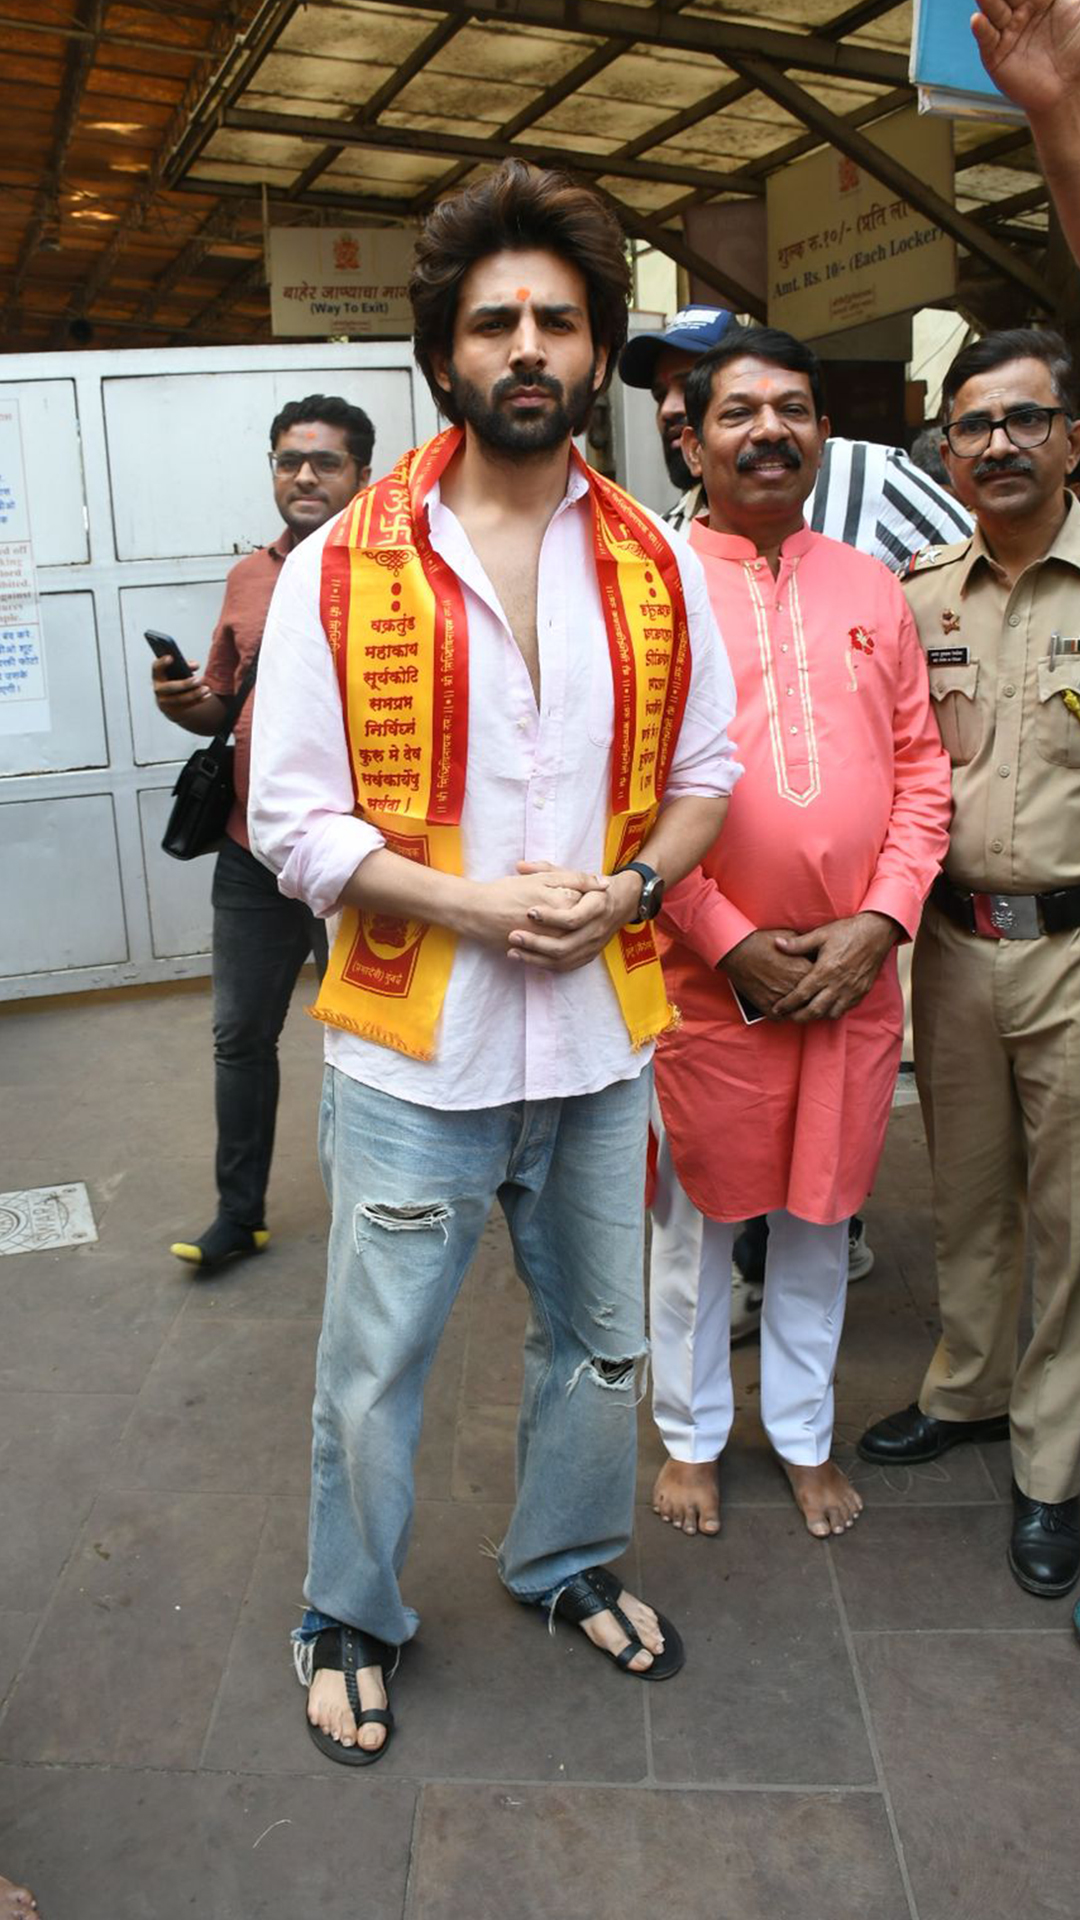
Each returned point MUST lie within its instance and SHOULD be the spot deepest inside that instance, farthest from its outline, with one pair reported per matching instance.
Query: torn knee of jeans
(417, 1217)
(618, 1375)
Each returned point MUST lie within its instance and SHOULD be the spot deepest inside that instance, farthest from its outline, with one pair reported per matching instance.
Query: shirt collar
(283, 544)
(732, 546)
(1065, 547)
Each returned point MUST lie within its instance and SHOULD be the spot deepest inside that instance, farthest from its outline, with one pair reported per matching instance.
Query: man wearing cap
(997, 967)
(776, 1088)
(869, 496)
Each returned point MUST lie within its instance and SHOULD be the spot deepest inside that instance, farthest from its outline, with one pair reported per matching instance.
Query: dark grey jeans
(261, 941)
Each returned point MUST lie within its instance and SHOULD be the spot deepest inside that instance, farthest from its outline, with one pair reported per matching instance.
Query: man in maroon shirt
(320, 456)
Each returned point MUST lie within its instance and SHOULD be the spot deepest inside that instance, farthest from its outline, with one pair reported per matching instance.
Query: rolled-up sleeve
(301, 806)
(704, 763)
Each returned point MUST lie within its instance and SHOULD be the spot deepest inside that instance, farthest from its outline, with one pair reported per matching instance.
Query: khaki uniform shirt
(996, 685)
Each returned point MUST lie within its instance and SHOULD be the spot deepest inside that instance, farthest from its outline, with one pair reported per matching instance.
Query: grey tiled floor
(884, 1729)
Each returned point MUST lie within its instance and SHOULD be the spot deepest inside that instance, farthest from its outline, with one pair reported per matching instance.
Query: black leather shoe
(908, 1438)
(1044, 1552)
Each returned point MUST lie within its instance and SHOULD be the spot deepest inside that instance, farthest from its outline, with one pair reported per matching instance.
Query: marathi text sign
(350, 280)
(24, 693)
(844, 249)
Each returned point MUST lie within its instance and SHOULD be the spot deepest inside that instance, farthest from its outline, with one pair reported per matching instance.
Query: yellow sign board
(844, 249)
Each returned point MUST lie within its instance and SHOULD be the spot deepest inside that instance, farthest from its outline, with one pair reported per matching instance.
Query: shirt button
(783, 646)
(539, 801)
(1009, 691)
(1004, 772)
(794, 729)
(522, 724)
(1014, 619)
(997, 846)
(791, 689)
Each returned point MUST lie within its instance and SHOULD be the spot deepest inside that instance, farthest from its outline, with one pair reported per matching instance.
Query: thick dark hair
(765, 343)
(333, 412)
(515, 208)
(1013, 343)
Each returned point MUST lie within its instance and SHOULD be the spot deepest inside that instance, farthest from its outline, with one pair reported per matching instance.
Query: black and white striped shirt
(871, 497)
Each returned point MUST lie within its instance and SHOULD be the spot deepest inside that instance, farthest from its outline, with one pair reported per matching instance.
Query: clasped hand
(554, 917)
(812, 976)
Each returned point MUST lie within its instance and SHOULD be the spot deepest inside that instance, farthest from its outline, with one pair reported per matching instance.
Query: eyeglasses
(325, 465)
(1025, 427)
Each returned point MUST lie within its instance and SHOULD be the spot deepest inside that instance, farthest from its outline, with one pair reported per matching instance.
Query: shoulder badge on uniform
(926, 557)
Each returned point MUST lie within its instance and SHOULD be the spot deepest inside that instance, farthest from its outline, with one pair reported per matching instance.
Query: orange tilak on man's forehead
(523, 293)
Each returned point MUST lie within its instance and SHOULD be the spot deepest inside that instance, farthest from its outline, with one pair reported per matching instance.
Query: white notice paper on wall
(24, 693)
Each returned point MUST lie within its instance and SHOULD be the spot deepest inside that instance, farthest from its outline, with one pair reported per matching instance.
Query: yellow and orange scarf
(394, 617)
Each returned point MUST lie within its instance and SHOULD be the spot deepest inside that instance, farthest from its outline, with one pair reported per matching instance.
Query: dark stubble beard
(678, 472)
(505, 432)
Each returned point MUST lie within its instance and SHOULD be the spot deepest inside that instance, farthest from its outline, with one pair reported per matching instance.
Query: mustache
(512, 383)
(765, 455)
(985, 469)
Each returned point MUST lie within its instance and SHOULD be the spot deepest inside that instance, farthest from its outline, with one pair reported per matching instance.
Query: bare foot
(328, 1707)
(16, 1903)
(604, 1630)
(688, 1496)
(825, 1497)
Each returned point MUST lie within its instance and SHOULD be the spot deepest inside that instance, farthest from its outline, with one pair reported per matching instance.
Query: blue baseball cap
(691, 330)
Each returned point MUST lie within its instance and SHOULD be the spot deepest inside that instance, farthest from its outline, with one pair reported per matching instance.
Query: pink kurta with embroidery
(843, 807)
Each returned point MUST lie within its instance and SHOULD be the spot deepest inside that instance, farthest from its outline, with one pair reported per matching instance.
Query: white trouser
(690, 1308)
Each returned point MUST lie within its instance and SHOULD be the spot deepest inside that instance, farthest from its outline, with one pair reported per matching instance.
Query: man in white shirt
(491, 685)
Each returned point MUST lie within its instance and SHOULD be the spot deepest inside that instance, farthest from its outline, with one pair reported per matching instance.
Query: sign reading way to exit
(844, 249)
(335, 280)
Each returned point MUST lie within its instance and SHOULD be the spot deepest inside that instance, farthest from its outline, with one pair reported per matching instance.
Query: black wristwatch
(652, 891)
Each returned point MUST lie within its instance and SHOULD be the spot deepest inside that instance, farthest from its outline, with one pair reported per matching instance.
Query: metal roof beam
(478, 147)
(882, 166)
(382, 208)
(424, 51)
(685, 32)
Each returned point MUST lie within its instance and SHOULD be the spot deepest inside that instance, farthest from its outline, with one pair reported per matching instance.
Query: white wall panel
(187, 452)
(52, 457)
(187, 610)
(63, 905)
(77, 735)
(178, 890)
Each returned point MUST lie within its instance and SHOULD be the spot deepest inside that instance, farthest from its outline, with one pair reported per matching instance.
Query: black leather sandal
(345, 1650)
(596, 1590)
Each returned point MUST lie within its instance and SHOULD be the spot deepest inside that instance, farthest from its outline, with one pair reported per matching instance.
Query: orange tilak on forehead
(523, 293)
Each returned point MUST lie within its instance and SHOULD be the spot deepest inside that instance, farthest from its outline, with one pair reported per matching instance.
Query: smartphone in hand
(164, 647)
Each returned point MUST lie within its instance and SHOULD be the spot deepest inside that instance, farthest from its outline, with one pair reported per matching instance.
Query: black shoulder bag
(203, 795)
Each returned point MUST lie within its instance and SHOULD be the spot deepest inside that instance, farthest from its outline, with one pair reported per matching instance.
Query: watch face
(652, 895)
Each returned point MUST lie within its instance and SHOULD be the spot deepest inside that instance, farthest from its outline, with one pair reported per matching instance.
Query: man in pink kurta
(831, 843)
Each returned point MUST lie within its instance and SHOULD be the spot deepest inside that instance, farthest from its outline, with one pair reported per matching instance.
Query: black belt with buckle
(1008, 916)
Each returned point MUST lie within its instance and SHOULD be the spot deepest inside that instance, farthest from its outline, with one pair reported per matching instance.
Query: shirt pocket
(1057, 730)
(959, 717)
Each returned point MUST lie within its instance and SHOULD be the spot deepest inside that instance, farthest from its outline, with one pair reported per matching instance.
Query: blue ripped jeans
(411, 1189)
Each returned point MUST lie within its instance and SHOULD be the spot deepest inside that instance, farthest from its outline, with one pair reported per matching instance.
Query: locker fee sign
(844, 249)
(335, 280)
(24, 696)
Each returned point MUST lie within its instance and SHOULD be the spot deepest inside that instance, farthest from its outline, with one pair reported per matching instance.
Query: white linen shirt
(537, 788)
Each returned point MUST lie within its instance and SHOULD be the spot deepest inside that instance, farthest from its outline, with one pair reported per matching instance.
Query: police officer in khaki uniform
(997, 962)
